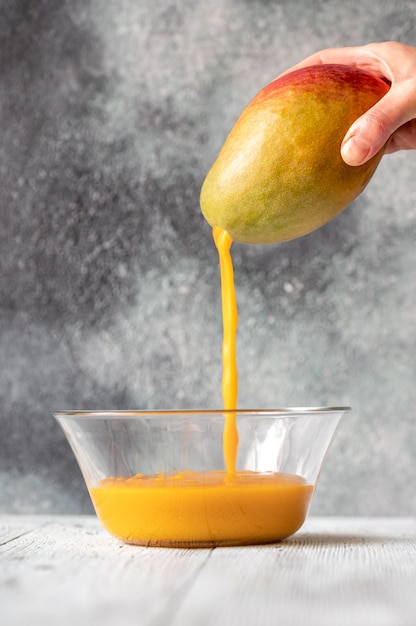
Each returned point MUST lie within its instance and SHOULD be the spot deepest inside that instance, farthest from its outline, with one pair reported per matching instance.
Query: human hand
(390, 121)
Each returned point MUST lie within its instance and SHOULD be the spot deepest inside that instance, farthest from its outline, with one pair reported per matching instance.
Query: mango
(280, 174)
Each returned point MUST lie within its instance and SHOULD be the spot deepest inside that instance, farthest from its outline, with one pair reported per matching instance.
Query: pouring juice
(213, 507)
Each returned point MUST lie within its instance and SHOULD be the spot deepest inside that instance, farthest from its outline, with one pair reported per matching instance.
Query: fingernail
(355, 150)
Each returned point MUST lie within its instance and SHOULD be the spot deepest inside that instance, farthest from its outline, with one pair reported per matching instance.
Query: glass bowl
(158, 478)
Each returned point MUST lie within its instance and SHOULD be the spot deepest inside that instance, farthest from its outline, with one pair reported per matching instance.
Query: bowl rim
(127, 413)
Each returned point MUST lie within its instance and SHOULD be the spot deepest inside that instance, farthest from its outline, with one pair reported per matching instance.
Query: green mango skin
(280, 174)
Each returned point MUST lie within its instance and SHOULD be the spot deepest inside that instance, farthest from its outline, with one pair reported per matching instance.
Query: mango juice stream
(223, 242)
(208, 508)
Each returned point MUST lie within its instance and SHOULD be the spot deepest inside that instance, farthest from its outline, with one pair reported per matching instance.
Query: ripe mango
(279, 174)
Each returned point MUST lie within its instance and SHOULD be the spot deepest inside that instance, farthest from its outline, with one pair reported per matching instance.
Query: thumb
(370, 132)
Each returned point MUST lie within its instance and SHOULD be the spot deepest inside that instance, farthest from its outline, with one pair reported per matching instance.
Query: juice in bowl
(232, 476)
(159, 478)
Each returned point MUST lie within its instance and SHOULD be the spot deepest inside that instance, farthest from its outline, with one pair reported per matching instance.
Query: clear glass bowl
(158, 477)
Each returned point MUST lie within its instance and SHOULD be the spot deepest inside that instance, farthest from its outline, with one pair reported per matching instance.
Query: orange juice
(202, 509)
(213, 507)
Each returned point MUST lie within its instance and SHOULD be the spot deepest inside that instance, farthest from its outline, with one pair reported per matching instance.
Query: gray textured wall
(110, 115)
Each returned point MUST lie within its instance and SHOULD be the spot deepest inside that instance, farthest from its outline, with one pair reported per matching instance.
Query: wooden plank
(335, 572)
(13, 526)
(69, 571)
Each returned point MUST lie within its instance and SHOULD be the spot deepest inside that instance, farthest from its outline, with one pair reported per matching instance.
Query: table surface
(334, 571)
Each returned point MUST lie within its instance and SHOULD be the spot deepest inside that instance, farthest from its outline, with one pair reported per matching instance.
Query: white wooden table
(334, 572)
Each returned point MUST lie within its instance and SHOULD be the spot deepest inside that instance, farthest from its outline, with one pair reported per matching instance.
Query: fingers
(403, 139)
(372, 131)
(365, 138)
(392, 121)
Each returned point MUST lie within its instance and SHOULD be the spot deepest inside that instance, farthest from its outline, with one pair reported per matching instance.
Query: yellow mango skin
(280, 174)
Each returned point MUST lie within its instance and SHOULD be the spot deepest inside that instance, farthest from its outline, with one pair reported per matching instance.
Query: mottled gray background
(110, 115)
